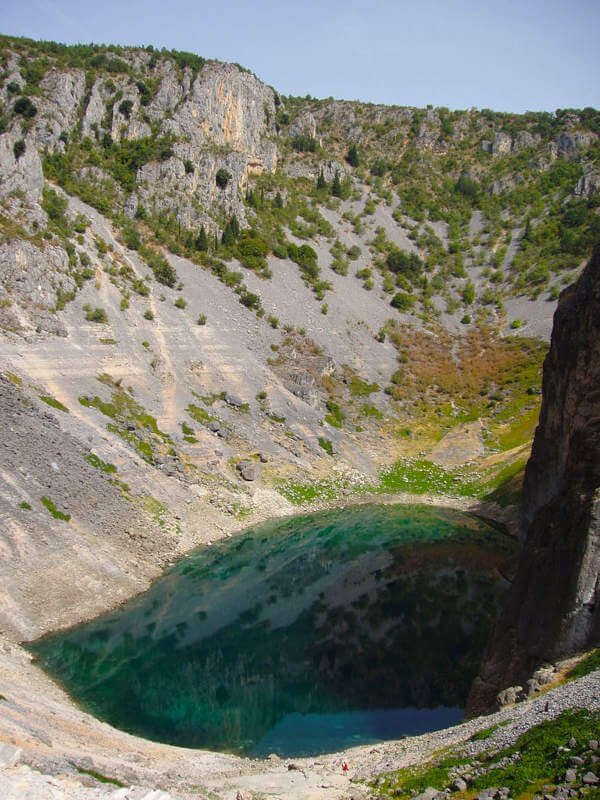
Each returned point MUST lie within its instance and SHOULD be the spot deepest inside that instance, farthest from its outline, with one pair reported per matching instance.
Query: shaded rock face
(553, 609)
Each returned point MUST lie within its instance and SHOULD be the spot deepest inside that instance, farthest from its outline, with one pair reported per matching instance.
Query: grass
(25, 506)
(56, 513)
(98, 463)
(326, 445)
(422, 477)
(539, 761)
(99, 776)
(52, 401)
(487, 732)
(360, 388)
(590, 663)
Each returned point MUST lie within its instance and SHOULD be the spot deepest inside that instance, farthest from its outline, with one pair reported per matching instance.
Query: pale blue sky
(511, 55)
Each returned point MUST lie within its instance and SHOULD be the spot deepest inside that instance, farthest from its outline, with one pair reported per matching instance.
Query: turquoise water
(299, 636)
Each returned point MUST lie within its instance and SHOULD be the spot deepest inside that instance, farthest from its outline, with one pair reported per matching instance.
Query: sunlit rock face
(344, 613)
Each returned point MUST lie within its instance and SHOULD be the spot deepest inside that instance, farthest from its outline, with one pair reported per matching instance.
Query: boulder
(233, 400)
(249, 470)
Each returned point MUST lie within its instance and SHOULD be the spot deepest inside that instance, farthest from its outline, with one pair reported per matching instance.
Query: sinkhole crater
(300, 636)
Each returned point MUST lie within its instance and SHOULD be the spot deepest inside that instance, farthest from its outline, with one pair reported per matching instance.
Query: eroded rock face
(553, 609)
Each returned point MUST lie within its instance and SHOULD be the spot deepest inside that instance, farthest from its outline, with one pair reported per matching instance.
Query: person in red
(345, 767)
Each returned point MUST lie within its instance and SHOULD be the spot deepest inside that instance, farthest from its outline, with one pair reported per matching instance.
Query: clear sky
(509, 55)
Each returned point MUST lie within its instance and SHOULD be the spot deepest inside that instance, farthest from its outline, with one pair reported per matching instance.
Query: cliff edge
(553, 608)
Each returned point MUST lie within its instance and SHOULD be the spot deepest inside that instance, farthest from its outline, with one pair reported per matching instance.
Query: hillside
(230, 302)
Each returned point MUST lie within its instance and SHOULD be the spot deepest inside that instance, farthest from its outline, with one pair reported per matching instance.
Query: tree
(321, 182)
(336, 186)
(19, 148)
(201, 242)
(25, 107)
(352, 156)
(222, 178)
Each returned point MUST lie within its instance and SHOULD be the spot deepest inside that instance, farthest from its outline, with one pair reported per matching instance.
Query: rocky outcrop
(553, 608)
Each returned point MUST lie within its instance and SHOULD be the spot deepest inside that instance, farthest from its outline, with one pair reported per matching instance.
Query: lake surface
(299, 636)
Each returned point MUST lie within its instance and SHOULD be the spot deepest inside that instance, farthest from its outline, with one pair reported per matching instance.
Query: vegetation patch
(98, 776)
(98, 463)
(56, 513)
(589, 664)
(52, 401)
(540, 755)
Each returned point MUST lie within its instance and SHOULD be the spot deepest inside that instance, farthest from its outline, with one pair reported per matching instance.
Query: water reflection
(362, 610)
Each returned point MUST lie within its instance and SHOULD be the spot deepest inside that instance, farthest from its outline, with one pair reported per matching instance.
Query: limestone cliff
(553, 609)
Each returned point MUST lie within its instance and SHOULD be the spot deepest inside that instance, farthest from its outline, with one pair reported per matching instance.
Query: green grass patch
(590, 663)
(540, 760)
(98, 463)
(360, 388)
(56, 513)
(25, 506)
(99, 776)
(508, 484)
(144, 448)
(487, 732)
(52, 401)
(422, 477)
(14, 379)
(326, 445)
(305, 493)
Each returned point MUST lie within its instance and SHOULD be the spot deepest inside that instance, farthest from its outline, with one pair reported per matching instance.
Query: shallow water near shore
(300, 636)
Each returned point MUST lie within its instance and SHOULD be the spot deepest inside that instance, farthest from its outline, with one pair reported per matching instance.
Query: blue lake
(299, 636)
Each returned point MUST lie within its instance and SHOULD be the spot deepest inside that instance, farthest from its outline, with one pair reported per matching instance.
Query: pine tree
(235, 226)
(228, 237)
(336, 186)
(278, 201)
(201, 242)
(352, 156)
(321, 182)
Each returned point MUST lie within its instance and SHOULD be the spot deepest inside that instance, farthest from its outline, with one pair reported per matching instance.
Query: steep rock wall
(553, 608)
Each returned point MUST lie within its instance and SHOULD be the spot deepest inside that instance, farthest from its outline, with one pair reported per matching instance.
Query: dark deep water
(300, 636)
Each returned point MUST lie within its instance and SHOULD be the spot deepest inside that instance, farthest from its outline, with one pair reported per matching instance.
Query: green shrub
(180, 303)
(25, 107)
(516, 323)
(125, 108)
(403, 301)
(19, 148)
(252, 250)
(25, 505)
(326, 445)
(352, 156)
(148, 314)
(97, 314)
(201, 319)
(222, 178)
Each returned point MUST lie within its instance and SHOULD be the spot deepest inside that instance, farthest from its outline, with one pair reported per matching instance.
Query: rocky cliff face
(553, 609)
